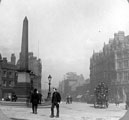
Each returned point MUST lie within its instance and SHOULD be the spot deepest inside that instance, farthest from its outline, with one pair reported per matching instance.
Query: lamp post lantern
(49, 83)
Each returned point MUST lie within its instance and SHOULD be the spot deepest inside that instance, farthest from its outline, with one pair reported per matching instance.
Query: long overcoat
(35, 98)
(56, 98)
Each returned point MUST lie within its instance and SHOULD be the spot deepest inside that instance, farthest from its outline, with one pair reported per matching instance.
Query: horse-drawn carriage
(101, 96)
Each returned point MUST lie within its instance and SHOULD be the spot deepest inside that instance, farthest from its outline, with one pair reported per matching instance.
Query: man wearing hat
(56, 98)
(34, 101)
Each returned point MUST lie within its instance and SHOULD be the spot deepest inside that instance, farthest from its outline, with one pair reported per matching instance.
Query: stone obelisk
(22, 88)
(24, 47)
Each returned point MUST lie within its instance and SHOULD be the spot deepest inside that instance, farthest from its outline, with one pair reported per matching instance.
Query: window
(10, 74)
(16, 74)
(10, 83)
(4, 83)
(4, 74)
(126, 64)
(119, 75)
(126, 54)
(126, 76)
(119, 55)
(119, 64)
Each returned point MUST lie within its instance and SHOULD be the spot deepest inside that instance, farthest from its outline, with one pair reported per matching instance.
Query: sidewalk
(24, 113)
(3, 116)
(75, 111)
(18, 111)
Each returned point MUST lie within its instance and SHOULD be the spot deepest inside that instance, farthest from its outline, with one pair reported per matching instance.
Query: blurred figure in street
(67, 100)
(70, 99)
(117, 100)
(56, 99)
(40, 97)
(34, 101)
(14, 97)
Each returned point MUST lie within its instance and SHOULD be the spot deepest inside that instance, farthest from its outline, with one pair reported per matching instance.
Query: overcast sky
(67, 31)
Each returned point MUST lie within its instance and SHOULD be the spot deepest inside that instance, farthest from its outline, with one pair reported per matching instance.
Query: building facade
(35, 65)
(70, 85)
(8, 77)
(111, 66)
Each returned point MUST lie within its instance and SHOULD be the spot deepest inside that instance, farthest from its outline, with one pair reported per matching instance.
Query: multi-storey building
(111, 66)
(8, 77)
(70, 84)
(9, 74)
(35, 66)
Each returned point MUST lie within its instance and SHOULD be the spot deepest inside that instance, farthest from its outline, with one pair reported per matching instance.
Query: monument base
(23, 86)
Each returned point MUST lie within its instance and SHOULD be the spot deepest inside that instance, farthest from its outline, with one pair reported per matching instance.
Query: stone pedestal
(23, 87)
(23, 77)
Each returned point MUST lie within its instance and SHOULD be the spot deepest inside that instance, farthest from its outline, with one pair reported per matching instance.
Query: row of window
(10, 74)
(123, 76)
(122, 55)
(9, 83)
(122, 64)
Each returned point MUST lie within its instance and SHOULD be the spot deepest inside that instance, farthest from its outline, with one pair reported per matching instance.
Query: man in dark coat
(56, 98)
(34, 101)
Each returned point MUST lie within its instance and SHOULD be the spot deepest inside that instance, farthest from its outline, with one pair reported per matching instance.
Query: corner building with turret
(111, 66)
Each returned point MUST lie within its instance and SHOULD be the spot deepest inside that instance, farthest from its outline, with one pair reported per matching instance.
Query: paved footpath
(75, 111)
(3, 116)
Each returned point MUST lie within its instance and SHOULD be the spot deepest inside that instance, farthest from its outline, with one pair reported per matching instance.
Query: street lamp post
(49, 83)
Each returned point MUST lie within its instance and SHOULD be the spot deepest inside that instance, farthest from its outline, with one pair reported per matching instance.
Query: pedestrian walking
(67, 100)
(117, 101)
(71, 99)
(14, 97)
(34, 101)
(40, 98)
(56, 99)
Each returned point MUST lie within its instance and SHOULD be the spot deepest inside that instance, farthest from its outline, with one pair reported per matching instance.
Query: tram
(101, 96)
